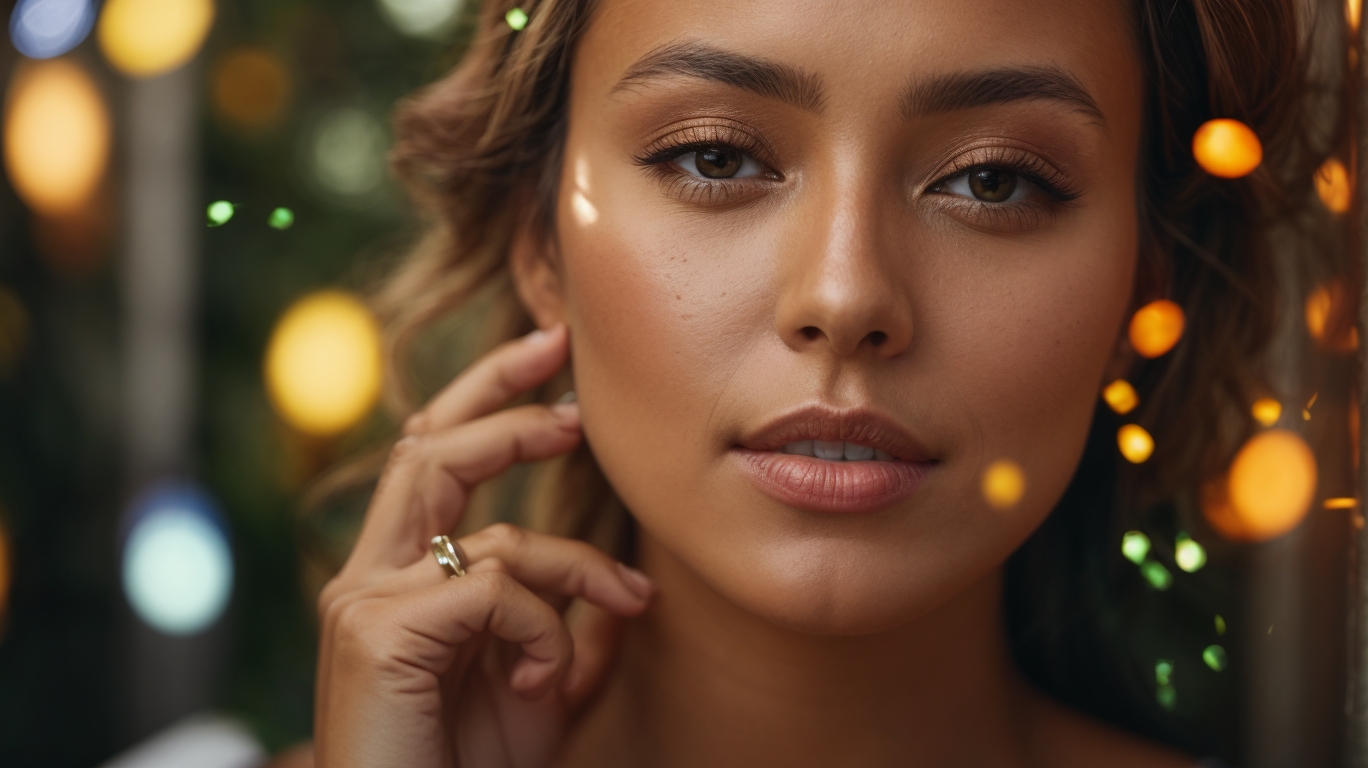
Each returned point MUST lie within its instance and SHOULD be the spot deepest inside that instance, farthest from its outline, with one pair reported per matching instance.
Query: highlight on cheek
(1227, 148)
(1004, 483)
(1156, 327)
(585, 212)
(1266, 411)
(1121, 396)
(1135, 443)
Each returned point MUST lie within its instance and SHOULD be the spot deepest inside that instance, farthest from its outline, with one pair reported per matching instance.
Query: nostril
(811, 332)
(877, 338)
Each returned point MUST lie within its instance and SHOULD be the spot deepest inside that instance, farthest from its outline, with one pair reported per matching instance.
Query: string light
(177, 566)
(1156, 574)
(1156, 327)
(43, 29)
(1121, 396)
(145, 38)
(1003, 484)
(1215, 657)
(1220, 624)
(1352, 11)
(516, 19)
(1341, 502)
(323, 366)
(1333, 187)
(1188, 554)
(1272, 483)
(348, 156)
(251, 87)
(56, 136)
(1135, 546)
(219, 213)
(1135, 443)
(421, 18)
(1328, 317)
(1227, 148)
(1165, 693)
(1266, 411)
(281, 218)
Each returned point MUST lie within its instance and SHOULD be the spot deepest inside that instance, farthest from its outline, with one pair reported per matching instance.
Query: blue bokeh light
(42, 29)
(177, 564)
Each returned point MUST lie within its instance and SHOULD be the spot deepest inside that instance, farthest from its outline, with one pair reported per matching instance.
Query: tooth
(800, 448)
(882, 455)
(855, 452)
(829, 451)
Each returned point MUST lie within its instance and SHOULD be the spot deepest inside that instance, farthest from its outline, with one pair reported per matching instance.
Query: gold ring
(450, 556)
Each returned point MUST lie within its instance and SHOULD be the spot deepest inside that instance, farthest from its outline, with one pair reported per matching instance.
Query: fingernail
(568, 397)
(566, 411)
(535, 337)
(639, 582)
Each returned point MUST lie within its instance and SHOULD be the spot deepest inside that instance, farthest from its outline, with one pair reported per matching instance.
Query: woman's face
(823, 262)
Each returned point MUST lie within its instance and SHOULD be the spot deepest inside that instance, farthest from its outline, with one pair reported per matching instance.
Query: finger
(597, 637)
(424, 490)
(508, 371)
(424, 630)
(562, 566)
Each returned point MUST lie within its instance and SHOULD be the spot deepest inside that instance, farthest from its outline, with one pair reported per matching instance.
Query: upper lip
(852, 425)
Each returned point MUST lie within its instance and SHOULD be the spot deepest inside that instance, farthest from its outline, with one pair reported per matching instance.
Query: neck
(703, 682)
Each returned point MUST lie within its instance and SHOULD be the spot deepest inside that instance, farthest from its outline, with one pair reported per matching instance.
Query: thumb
(597, 637)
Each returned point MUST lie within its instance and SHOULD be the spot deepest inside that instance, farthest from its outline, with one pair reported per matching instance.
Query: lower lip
(832, 486)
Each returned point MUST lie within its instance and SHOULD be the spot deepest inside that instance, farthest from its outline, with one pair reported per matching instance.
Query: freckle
(677, 296)
(685, 317)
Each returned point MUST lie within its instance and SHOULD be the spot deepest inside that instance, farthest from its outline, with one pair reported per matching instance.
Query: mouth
(823, 459)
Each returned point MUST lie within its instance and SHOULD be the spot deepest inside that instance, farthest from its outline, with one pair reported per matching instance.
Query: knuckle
(416, 424)
(493, 586)
(407, 449)
(506, 536)
(495, 565)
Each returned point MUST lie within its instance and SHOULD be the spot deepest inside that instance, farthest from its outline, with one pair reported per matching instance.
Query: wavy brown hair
(480, 153)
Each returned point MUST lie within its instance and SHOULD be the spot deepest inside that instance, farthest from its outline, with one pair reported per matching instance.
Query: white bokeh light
(177, 568)
(421, 18)
(42, 29)
(348, 152)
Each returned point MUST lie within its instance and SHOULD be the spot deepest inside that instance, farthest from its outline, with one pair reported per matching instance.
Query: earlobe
(536, 276)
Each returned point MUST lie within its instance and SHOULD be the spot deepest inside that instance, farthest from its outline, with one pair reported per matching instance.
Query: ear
(536, 275)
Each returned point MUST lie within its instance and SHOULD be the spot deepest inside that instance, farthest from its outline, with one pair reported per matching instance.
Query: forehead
(871, 49)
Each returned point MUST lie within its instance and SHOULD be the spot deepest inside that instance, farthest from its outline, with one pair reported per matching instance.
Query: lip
(828, 486)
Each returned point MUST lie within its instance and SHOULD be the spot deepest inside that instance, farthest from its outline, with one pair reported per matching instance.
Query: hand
(480, 671)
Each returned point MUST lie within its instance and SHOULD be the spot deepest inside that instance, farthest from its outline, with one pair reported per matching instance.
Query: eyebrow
(760, 76)
(967, 90)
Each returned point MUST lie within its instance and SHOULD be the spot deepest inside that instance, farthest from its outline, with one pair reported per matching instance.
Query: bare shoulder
(1063, 737)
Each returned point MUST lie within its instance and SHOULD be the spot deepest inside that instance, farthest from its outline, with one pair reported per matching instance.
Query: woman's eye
(990, 185)
(718, 163)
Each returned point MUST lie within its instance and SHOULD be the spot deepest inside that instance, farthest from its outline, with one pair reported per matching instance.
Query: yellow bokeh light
(1135, 443)
(1156, 327)
(56, 136)
(1341, 502)
(250, 87)
(1353, 9)
(1227, 148)
(1333, 187)
(1272, 484)
(1121, 396)
(145, 38)
(323, 367)
(1329, 317)
(1003, 483)
(1266, 411)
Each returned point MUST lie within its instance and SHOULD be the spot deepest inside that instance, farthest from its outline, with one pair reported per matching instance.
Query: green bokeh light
(1220, 624)
(1215, 657)
(281, 218)
(1167, 696)
(1135, 546)
(1163, 671)
(1156, 574)
(1188, 554)
(516, 18)
(220, 212)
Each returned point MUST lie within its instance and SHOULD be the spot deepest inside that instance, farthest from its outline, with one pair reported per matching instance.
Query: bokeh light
(177, 566)
(1215, 657)
(1004, 482)
(1227, 148)
(281, 218)
(219, 213)
(42, 29)
(1121, 396)
(14, 329)
(1188, 554)
(516, 18)
(56, 136)
(1330, 317)
(1341, 502)
(1135, 443)
(1135, 546)
(421, 18)
(250, 88)
(1164, 692)
(145, 38)
(1156, 574)
(1266, 411)
(323, 367)
(1220, 623)
(1156, 327)
(1353, 9)
(347, 156)
(1333, 187)
(1272, 484)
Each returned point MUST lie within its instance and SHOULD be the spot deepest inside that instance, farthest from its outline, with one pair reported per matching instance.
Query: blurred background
(195, 198)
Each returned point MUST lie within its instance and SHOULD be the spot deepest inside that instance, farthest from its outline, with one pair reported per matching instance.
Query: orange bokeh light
(1353, 9)
(1333, 187)
(1156, 327)
(1227, 148)
(1269, 489)
(1121, 396)
(1266, 411)
(1004, 483)
(56, 136)
(1135, 443)
(1329, 317)
(250, 88)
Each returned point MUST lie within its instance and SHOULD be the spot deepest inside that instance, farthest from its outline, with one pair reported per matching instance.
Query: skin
(849, 265)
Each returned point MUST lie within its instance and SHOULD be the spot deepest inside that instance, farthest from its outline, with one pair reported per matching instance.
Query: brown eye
(992, 185)
(718, 163)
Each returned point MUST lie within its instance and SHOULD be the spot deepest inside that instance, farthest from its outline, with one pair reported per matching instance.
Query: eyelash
(1023, 215)
(659, 158)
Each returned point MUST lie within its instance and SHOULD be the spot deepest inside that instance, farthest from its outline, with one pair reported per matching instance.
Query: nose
(839, 289)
